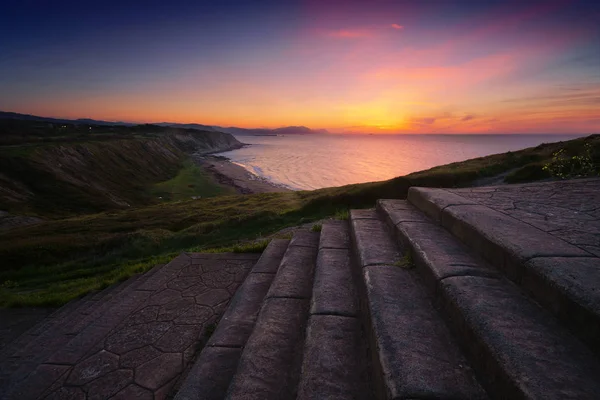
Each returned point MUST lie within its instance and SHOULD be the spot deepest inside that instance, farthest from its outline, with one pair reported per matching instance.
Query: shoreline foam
(236, 176)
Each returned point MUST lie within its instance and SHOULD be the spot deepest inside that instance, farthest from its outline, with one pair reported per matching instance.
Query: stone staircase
(417, 299)
(450, 294)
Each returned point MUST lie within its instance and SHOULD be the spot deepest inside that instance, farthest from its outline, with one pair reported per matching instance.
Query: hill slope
(63, 172)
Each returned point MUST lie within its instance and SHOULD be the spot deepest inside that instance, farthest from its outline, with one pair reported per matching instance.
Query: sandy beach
(230, 174)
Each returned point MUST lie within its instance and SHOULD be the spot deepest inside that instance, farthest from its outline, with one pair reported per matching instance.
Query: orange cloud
(450, 77)
(396, 26)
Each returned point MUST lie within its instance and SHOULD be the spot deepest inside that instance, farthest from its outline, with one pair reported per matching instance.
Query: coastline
(229, 174)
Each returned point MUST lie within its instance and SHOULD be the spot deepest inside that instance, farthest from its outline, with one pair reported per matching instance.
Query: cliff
(101, 173)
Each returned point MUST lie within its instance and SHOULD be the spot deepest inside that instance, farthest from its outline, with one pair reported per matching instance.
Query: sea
(304, 162)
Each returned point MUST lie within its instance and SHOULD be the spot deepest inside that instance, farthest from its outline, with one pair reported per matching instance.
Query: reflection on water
(317, 161)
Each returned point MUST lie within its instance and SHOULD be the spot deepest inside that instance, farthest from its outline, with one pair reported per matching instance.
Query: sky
(346, 66)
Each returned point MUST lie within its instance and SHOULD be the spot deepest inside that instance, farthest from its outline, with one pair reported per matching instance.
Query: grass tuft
(342, 215)
(405, 262)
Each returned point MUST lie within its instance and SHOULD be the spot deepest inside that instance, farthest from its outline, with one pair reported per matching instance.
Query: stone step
(518, 349)
(550, 254)
(141, 338)
(414, 354)
(212, 371)
(334, 363)
(269, 367)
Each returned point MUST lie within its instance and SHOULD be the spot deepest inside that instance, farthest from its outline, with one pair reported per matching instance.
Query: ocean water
(317, 161)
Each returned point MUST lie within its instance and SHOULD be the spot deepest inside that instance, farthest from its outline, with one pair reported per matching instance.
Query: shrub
(580, 165)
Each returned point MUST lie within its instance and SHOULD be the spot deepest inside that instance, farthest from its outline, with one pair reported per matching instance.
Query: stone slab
(167, 273)
(418, 356)
(223, 256)
(238, 321)
(270, 363)
(85, 341)
(334, 291)
(56, 336)
(271, 257)
(570, 288)
(439, 255)
(363, 214)
(114, 296)
(567, 209)
(332, 367)
(502, 240)
(335, 235)
(19, 322)
(519, 349)
(374, 244)
(210, 376)
(433, 201)
(139, 340)
(295, 275)
(305, 239)
(398, 211)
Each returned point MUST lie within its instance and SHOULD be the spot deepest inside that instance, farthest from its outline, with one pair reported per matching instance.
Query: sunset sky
(346, 66)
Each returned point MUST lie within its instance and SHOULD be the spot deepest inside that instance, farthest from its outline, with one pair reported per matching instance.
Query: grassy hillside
(53, 262)
(191, 181)
(64, 170)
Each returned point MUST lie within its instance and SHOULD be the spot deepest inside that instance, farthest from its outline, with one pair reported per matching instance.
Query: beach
(229, 174)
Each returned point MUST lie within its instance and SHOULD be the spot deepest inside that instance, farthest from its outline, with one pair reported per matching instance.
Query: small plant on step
(405, 262)
(342, 215)
(316, 228)
(252, 247)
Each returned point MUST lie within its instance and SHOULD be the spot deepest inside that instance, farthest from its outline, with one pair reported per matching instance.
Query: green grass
(190, 181)
(56, 261)
(316, 228)
(342, 215)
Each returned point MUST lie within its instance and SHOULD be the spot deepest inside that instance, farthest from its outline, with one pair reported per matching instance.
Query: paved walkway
(135, 344)
(569, 210)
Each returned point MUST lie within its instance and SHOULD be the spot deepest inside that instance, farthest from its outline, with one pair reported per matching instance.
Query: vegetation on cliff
(58, 170)
(53, 262)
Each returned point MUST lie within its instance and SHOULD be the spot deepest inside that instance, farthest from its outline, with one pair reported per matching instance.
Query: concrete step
(545, 246)
(214, 368)
(269, 367)
(140, 337)
(518, 349)
(335, 355)
(414, 354)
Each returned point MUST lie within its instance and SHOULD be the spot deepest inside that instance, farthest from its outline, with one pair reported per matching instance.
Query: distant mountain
(188, 126)
(96, 122)
(287, 130)
(27, 117)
